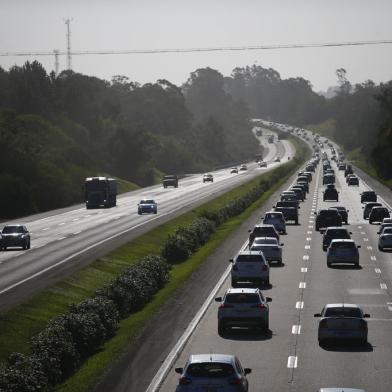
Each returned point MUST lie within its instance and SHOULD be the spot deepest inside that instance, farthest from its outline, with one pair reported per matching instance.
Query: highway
(289, 358)
(65, 240)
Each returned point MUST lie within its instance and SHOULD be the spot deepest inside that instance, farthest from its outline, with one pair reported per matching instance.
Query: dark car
(15, 235)
(353, 180)
(170, 180)
(147, 206)
(263, 231)
(327, 218)
(330, 193)
(299, 192)
(377, 214)
(304, 185)
(367, 196)
(343, 213)
(348, 170)
(342, 166)
(332, 233)
(368, 207)
(208, 178)
(328, 179)
(289, 213)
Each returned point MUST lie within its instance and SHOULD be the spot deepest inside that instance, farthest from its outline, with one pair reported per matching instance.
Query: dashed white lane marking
(383, 286)
(366, 239)
(308, 238)
(77, 232)
(373, 258)
(86, 216)
(74, 220)
(363, 233)
(46, 228)
(296, 329)
(359, 227)
(307, 246)
(292, 362)
(309, 232)
(313, 209)
(304, 270)
(62, 223)
(377, 270)
(310, 226)
(305, 257)
(61, 238)
(369, 247)
(302, 285)
(299, 305)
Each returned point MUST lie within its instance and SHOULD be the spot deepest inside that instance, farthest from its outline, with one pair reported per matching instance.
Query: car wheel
(267, 281)
(24, 246)
(221, 328)
(266, 327)
(156, 212)
(233, 283)
(329, 265)
(296, 221)
(139, 212)
(380, 248)
(370, 222)
(28, 245)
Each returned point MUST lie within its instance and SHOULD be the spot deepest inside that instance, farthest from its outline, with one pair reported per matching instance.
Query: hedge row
(58, 350)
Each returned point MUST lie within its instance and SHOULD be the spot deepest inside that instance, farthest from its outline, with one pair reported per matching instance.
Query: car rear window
(387, 230)
(249, 258)
(210, 369)
(242, 298)
(343, 312)
(343, 245)
(273, 216)
(341, 233)
(147, 202)
(259, 241)
(264, 231)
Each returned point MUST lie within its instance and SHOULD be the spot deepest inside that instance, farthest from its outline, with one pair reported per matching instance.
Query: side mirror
(317, 315)
(358, 246)
(366, 315)
(179, 370)
(350, 232)
(268, 299)
(314, 213)
(247, 370)
(231, 261)
(348, 210)
(218, 299)
(281, 244)
(249, 231)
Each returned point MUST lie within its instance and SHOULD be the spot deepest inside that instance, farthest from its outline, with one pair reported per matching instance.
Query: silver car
(243, 307)
(250, 267)
(270, 247)
(213, 372)
(276, 219)
(343, 251)
(342, 321)
(385, 239)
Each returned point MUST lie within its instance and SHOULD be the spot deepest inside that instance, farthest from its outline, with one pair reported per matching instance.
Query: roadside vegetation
(96, 312)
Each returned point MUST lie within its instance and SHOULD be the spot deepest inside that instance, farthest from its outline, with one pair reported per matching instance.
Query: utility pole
(69, 58)
(56, 61)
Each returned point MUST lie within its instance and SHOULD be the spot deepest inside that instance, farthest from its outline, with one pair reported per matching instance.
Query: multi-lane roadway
(289, 358)
(65, 240)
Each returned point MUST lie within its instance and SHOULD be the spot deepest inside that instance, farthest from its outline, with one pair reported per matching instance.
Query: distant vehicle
(233, 170)
(208, 178)
(348, 170)
(342, 166)
(270, 139)
(342, 212)
(262, 231)
(377, 214)
(353, 180)
(15, 236)
(367, 196)
(342, 321)
(276, 219)
(289, 213)
(262, 164)
(207, 372)
(277, 159)
(384, 225)
(243, 307)
(243, 167)
(250, 267)
(328, 179)
(368, 207)
(270, 247)
(343, 251)
(334, 233)
(330, 193)
(287, 203)
(148, 206)
(100, 192)
(258, 158)
(259, 132)
(385, 239)
(303, 184)
(299, 191)
(327, 218)
(170, 180)
(289, 196)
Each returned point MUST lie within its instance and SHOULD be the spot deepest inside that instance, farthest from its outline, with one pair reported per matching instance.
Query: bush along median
(87, 328)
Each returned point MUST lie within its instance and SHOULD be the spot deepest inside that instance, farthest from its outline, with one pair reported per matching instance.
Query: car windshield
(147, 201)
(242, 298)
(343, 312)
(273, 216)
(249, 259)
(327, 213)
(343, 245)
(387, 230)
(210, 370)
(12, 229)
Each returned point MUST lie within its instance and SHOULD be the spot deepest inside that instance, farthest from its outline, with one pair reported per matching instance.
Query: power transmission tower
(69, 57)
(56, 61)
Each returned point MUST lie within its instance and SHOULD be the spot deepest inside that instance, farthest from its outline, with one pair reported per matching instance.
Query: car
(277, 159)
(387, 220)
(299, 191)
(262, 230)
(287, 203)
(349, 176)
(15, 236)
(170, 180)
(368, 207)
(377, 214)
(343, 213)
(330, 193)
(270, 247)
(342, 321)
(249, 267)
(289, 196)
(384, 225)
(233, 170)
(262, 164)
(385, 239)
(310, 167)
(367, 196)
(304, 185)
(289, 213)
(208, 372)
(348, 170)
(343, 251)
(332, 233)
(148, 206)
(342, 166)
(353, 180)
(303, 178)
(243, 307)
(243, 167)
(309, 175)
(208, 178)
(276, 219)
(327, 218)
(328, 179)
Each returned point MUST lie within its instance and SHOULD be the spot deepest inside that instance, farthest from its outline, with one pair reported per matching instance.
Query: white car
(276, 219)
(385, 239)
(270, 247)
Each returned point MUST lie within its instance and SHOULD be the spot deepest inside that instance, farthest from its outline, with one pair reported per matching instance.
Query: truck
(170, 180)
(100, 192)
(270, 139)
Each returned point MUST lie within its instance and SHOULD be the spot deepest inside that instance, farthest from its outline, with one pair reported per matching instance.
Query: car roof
(342, 240)
(14, 224)
(341, 305)
(245, 290)
(265, 238)
(335, 228)
(222, 358)
(264, 225)
(249, 252)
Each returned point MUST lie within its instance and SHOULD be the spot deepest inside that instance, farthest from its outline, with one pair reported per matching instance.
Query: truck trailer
(100, 192)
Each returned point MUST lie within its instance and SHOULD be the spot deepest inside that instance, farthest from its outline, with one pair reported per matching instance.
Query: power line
(210, 49)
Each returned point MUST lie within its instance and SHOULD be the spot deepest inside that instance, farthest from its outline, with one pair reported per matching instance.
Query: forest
(55, 130)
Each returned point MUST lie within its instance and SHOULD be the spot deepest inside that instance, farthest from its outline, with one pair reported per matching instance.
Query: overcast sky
(38, 25)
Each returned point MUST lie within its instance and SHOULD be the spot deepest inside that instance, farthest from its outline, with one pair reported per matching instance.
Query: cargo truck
(100, 192)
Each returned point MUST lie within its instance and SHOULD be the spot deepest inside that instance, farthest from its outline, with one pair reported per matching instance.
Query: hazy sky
(38, 25)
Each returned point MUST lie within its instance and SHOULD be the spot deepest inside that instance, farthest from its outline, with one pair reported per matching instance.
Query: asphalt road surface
(290, 358)
(65, 240)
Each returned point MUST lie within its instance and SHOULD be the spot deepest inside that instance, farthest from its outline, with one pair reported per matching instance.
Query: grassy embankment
(356, 156)
(20, 324)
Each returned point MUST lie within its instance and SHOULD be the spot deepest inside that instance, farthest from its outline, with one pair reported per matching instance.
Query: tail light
(260, 306)
(235, 381)
(184, 381)
(235, 268)
(264, 268)
(224, 306)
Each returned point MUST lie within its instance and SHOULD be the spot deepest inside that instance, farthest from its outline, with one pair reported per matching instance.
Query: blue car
(147, 206)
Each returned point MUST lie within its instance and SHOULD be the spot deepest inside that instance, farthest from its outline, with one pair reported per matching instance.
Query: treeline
(56, 130)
